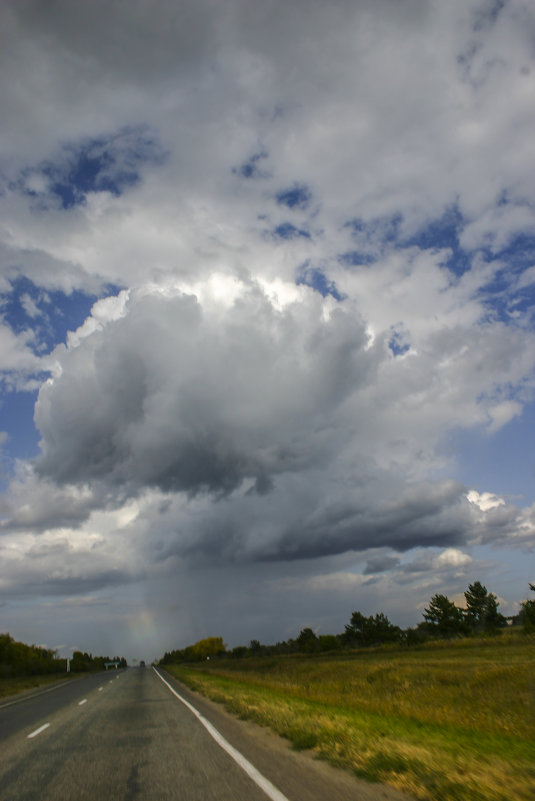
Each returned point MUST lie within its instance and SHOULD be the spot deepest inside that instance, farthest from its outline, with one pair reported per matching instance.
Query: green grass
(14, 686)
(446, 721)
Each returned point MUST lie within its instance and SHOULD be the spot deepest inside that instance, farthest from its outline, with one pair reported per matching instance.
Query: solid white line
(264, 784)
(38, 731)
(83, 701)
(29, 696)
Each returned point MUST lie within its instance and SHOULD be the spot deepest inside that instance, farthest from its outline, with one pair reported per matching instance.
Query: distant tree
(329, 642)
(239, 651)
(527, 612)
(172, 657)
(307, 642)
(205, 649)
(19, 659)
(355, 630)
(84, 662)
(284, 647)
(417, 635)
(255, 647)
(381, 630)
(482, 609)
(373, 630)
(443, 617)
(80, 662)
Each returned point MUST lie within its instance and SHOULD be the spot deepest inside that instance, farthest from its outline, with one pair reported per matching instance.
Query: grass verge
(447, 722)
(14, 686)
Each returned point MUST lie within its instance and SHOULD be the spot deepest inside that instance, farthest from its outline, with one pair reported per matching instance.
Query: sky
(267, 336)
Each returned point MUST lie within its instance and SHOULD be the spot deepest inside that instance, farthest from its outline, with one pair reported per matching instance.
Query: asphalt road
(26, 709)
(129, 736)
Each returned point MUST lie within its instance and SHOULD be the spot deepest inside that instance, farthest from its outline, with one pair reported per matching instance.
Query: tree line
(85, 663)
(18, 659)
(442, 619)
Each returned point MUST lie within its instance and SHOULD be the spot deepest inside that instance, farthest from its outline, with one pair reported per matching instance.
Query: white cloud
(452, 557)
(185, 397)
(103, 311)
(30, 307)
(503, 413)
(485, 500)
(321, 97)
(18, 362)
(298, 437)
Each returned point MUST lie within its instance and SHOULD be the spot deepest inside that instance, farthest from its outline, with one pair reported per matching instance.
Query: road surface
(135, 735)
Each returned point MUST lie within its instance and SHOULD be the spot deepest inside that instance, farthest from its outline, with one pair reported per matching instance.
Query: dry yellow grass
(451, 723)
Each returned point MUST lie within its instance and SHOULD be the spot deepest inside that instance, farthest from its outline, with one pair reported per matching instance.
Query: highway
(138, 735)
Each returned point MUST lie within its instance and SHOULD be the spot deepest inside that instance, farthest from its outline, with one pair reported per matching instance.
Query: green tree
(307, 642)
(381, 630)
(443, 617)
(19, 659)
(205, 649)
(417, 635)
(355, 630)
(527, 612)
(373, 630)
(172, 657)
(81, 662)
(482, 609)
(329, 642)
(239, 651)
(84, 662)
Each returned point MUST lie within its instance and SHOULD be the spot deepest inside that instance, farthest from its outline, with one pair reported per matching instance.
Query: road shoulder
(297, 774)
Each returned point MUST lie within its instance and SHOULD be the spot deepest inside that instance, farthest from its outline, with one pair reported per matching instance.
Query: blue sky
(267, 336)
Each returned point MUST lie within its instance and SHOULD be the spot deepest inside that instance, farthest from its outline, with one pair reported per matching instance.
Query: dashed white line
(38, 731)
(83, 701)
(269, 789)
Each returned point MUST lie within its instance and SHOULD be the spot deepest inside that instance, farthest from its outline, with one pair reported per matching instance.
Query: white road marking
(269, 789)
(25, 697)
(38, 731)
(83, 701)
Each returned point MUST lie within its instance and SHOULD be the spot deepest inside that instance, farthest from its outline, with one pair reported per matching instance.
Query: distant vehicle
(142, 663)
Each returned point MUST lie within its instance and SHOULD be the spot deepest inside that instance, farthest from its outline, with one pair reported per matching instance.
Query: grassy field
(15, 686)
(445, 721)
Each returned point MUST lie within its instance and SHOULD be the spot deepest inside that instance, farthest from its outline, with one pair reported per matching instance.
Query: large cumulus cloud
(273, 427)
(184, 398)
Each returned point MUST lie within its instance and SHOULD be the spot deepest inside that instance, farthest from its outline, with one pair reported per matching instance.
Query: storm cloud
(252, 418)
(181, 398)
